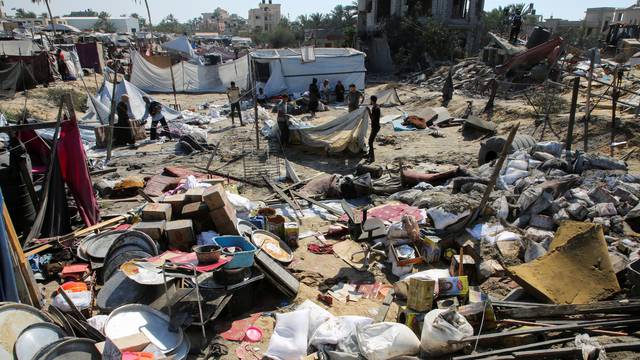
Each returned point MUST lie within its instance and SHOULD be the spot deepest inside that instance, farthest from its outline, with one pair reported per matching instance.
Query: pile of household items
(545, 265)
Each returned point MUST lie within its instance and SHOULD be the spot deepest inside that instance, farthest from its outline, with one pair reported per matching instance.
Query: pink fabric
(75, 172)
(73, 166)
(390, 213)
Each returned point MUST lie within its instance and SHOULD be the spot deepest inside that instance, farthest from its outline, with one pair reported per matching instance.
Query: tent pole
(112, 114)
(254, 82)
(173, 86)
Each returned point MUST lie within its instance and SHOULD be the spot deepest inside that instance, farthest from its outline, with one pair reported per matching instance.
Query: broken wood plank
(531, 323)
(494, 175)
(383, 310)
(317, 203)
(548, 311)
(572, 352)
(282, 195)
(558, 328)
(510, 350)
(277, 274)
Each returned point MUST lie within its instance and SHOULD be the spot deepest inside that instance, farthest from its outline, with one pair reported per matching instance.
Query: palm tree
(50, 14)
(316, 20)
(146, 3)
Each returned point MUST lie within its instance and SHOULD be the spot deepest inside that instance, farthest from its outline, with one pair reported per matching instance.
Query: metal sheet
(14, 318)
(88, 242)
(133, 319)
(34, 338)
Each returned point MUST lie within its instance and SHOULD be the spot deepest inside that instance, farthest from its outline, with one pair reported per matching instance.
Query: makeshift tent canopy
(15, 77)
(99, 106)
(180, 45)
(284, 70)
(345, 132)
(387, 98)
(189, 78)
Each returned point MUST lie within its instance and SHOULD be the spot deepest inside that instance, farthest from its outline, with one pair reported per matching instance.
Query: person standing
(516, 24)
(354, 98)
(339, 92)
(123, 134)
(326, 91)
(154, 109)
(62, 66)
(233, 93)
(283, 120)
(314, 97)
(374, 115)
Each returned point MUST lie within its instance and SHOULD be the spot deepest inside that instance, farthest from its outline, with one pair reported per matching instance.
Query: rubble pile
(468, 76)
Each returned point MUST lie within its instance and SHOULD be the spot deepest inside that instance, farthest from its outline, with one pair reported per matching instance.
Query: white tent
(99, 105)
(189, 78)
(287, 70)
(180, 45)
(347, 132)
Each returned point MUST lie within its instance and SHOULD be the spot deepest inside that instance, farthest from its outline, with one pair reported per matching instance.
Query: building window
(619, 17)
(420, 7)
(459, 9)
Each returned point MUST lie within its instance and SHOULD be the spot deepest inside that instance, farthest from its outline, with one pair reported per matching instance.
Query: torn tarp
(347, 132)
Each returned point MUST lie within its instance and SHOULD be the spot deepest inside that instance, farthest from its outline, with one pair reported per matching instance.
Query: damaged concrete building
(462, 15)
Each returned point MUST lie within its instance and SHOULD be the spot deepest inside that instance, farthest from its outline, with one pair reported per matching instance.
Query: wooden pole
(494, 176)
(22, 263)
(614, 101)
(572, 114)
(112, 113)
(588, 115)
(254, 81)
(53, 25)
(150, 26)
(173, 86)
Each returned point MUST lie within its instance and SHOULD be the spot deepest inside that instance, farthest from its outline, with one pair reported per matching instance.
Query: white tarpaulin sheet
(347, 132)
(289, 72)
(189, 78)
(99, 105)
(180, 45)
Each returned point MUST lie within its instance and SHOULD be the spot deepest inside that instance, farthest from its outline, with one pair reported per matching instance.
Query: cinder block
(177, 202)
(155, 229)
(180, 235)
(133, 343)
(215, 197)
(157, 212)
(194, 195)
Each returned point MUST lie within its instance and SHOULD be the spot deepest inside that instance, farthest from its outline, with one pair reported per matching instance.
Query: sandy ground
(414, 148)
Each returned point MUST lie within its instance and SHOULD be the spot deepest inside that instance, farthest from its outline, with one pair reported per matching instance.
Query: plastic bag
(289, 339)
(387, 340)
(337, 330)
(241, 203)
(317, 316)
(81, 299)
(441, 326)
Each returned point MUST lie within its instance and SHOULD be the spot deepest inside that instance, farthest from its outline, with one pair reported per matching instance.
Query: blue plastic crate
(244, 258)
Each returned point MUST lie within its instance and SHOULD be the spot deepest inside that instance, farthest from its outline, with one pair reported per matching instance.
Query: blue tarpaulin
(8, 287)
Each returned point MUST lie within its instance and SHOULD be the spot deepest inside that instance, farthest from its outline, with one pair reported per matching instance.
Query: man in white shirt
(233, 92)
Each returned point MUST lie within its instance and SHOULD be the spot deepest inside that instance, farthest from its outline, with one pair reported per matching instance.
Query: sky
(189, 9)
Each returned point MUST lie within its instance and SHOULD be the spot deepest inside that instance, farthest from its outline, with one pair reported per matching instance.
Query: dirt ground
(415, 148)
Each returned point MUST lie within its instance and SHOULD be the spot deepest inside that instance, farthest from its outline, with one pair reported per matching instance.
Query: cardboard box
(215, 197)
(157, 212)
(177, 202)
(133, 343)
(193, 195)
(199, 214)
(453, 286)
(155, 229)
(225, 220)
(180, 235)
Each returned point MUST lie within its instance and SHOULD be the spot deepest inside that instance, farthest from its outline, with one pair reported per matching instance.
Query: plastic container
(73, 286)
(243, 258)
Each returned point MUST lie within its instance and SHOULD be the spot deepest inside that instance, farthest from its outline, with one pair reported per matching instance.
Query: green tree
(84, 13)
(24, 14)
(104, 24)
(170, 25)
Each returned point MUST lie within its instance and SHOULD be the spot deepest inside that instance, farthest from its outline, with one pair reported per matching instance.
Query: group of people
(354, 99)
(123, 132)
